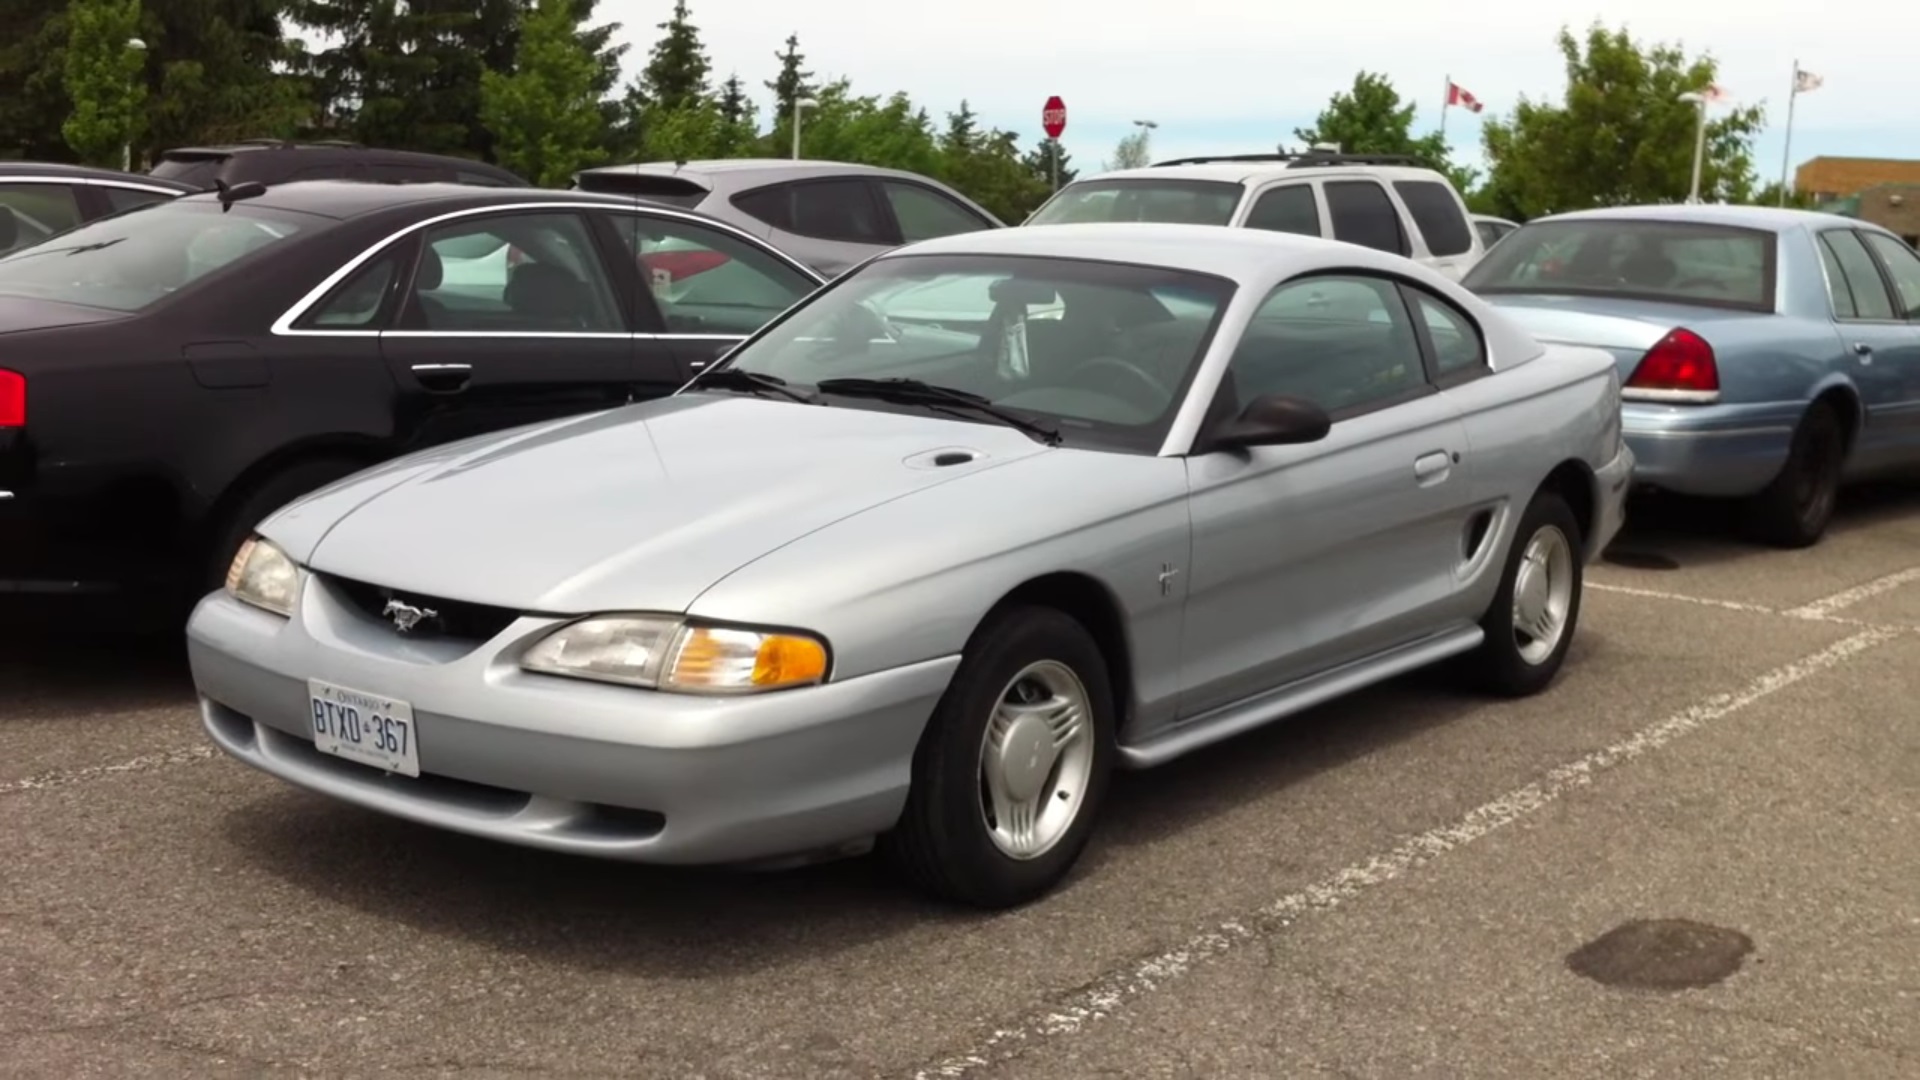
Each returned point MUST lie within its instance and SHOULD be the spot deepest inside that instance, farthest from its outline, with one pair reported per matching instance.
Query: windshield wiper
(916, 392)
(753, 382)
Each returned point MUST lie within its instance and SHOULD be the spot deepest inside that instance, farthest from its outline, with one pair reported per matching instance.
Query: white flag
(1804, 81)
(1715, 93)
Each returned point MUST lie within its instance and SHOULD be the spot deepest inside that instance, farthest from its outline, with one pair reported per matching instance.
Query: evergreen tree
(676, 72)
(545, 115)
(962, 135)
(734, 106)
(794, 81)
(1040, 162)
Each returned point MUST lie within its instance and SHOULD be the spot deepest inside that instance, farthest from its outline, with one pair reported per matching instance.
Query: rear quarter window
(1437, 214)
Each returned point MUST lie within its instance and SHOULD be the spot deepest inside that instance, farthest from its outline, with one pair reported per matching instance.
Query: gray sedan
(932, 554)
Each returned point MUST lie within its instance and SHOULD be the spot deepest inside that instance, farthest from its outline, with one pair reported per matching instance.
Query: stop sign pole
(1053, 117)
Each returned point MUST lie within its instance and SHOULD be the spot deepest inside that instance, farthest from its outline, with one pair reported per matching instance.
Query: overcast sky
(1235, 75)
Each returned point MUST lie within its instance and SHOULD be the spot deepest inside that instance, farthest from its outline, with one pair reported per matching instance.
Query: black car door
(508, 316)
(705, 287)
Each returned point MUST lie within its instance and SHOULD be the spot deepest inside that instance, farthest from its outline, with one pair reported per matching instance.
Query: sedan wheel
(1533, 616)
(1793, 511)
(1035, 760)
(1010, 773)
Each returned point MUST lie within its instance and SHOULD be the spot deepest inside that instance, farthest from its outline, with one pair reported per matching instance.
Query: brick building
(1829, 178)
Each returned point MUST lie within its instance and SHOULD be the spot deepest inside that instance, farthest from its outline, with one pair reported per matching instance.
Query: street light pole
(799, 104)
(126, 144)
(1699, 143)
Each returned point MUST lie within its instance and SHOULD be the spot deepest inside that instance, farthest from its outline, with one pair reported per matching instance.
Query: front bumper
(564, 764)
(1709, 450)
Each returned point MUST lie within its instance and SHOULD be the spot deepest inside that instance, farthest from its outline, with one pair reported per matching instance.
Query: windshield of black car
(1102, 351)
(1687, 262)
(1166, 202)
(129, 261)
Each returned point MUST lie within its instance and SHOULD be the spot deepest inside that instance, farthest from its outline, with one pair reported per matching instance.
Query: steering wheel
(1157, 395)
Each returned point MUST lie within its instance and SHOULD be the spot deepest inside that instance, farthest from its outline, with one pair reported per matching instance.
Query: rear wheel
(1532, 619)
(232, 528)
(1794, 510)
(1009, 777)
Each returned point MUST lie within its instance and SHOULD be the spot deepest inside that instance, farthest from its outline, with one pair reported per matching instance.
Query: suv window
(1362, 214)
(842, 210)
(1863, 281)
(705, 281)
(1904, 266)
(540, 274)
(924, 213)
(1290, 208)
(1437, 213)
(1344, 343)
(39, 211)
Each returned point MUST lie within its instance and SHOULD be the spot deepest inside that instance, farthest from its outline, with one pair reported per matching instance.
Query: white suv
(1390, 203)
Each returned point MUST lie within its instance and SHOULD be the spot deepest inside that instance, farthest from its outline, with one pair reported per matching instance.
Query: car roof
(355, 198)
(1227, 170)
(778, 167)
(1242, 254)
(54, 170)
(1765, 218)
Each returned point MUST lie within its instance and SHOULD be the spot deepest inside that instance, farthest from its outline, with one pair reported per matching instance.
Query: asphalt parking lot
(1698, 854)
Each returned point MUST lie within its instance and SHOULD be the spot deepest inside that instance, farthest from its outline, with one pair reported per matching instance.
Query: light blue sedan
(1767, 355)
(1141, 489)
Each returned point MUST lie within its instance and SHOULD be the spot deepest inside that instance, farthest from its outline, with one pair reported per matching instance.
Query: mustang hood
(640, 508)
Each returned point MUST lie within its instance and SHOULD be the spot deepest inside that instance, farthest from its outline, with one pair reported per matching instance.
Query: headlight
(263, 575)
(666, 653)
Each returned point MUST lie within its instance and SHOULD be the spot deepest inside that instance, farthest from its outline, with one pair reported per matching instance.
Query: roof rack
(1295, 161)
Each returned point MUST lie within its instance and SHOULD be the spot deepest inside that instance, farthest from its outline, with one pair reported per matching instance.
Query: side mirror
(1274, 420)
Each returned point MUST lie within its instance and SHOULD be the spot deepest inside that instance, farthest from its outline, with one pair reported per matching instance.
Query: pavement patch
(1661, 954)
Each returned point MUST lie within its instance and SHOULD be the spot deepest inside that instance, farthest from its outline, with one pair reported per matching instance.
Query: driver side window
(1345, 343)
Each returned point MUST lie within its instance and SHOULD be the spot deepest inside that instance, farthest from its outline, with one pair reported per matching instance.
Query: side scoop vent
(946, 457)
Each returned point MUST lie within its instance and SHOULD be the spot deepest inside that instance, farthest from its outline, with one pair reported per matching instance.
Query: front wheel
(1534, 614)
(1011, 772)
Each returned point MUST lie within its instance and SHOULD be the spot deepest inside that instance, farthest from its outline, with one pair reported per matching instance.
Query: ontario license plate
(367, 728)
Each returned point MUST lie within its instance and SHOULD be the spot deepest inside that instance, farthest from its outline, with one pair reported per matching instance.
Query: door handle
(1861, 348)
(1432, 468)
(443, 378)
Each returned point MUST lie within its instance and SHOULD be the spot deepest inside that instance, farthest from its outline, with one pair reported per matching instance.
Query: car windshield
(1683, 262)
(1172, 202)
(130, 261)
(1100, 352)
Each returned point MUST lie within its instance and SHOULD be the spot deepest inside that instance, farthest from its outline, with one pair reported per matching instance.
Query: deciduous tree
(545, 113)
(102, 78)
(1134, 151)
(1371, 118)
(1621, 134)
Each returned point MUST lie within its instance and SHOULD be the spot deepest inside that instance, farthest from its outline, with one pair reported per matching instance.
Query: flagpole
(1786, 152)
(1445, 100)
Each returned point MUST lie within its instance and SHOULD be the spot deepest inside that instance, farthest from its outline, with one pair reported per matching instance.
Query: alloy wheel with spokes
(1542, 594)
(1010, 773)
(1036, 757)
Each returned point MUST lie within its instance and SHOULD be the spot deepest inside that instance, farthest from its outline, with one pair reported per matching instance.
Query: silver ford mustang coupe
(930, 555)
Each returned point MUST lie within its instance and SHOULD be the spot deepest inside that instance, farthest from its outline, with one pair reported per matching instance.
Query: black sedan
(46, 198)
(171, 375)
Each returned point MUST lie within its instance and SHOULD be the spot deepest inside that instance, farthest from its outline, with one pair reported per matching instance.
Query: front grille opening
(456, 619)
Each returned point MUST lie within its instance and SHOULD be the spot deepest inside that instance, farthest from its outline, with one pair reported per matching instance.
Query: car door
(508, 317)
(1307, 557)
(830, 224)
(1877, 348)
(37, 209)
(1290, 207)
(702, 288)
(1902, 266)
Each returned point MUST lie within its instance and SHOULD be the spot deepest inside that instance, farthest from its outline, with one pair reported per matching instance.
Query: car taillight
(13, 399)
(1680, 361)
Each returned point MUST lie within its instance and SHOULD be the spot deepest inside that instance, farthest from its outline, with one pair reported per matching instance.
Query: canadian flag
(1458, 96)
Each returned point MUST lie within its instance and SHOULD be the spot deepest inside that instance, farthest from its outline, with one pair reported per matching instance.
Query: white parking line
(1824, 607)
(144, 763)
(1140, 979)
(1704, 601)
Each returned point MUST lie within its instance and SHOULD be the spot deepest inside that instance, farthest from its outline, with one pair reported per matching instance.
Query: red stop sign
(1053, 116)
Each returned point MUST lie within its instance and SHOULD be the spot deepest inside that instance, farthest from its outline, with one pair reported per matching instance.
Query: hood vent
(944, 458)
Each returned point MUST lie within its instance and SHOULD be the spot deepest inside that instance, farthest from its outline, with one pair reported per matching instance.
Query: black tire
(1500, 665)
(1793, 511)
(238, 522)
(942, 844)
